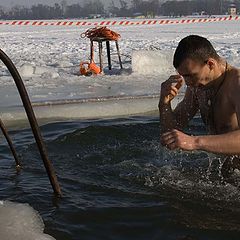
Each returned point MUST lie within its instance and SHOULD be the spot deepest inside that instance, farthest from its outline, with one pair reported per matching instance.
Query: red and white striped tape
(118, 23)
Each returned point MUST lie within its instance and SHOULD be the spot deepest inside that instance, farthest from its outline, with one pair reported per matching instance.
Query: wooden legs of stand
(100, 49)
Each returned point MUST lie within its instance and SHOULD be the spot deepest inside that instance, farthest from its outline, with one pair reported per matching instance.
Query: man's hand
(176, 139)
(168, 90)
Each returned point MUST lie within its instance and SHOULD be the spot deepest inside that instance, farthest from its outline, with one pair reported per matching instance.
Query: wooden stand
(100, 47)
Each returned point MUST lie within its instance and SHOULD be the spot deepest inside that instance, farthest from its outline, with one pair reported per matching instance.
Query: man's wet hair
(196, 48)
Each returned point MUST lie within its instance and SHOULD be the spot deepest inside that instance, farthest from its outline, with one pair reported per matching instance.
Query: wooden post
(119, 56)
(100, 55)
(108, 55)
(91, 51)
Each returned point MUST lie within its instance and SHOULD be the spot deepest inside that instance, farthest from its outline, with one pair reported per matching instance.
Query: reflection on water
(119, 183)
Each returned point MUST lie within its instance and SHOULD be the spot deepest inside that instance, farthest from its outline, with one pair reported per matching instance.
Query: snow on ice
(20, 222)
(48, 59)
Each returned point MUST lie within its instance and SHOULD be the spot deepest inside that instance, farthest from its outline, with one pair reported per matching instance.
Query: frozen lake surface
(48, 59)
(117, 181)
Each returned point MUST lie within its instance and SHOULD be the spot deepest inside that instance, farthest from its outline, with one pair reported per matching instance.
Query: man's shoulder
(234, 77)
(233, 85)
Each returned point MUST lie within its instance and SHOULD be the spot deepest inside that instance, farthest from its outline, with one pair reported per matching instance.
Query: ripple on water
(115, 173)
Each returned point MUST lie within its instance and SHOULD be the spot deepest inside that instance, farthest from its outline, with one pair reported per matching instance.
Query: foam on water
(20, 222)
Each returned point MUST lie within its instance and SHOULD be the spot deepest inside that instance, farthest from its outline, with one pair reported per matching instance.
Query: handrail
(33, 122)
(9, 141)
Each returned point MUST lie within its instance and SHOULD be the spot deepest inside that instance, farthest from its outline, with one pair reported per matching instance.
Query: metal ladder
(33, 123)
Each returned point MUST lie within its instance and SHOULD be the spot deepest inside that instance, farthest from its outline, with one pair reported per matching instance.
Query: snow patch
(49, 57)
(20, 222)
(152, 62)
(40, 70)
(50, 74)
(28, 70)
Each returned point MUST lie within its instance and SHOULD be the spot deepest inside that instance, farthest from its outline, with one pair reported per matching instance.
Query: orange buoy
(94, 68)
(83, 69)
(88, 69)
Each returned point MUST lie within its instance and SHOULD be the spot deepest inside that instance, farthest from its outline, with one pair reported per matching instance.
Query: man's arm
(184, 111)
(228, 143)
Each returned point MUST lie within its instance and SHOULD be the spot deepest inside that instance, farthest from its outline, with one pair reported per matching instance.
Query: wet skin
(213, 88)
(222, 106)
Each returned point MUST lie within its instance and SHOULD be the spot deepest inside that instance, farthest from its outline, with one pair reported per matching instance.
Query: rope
(101, 32)
(105, 33)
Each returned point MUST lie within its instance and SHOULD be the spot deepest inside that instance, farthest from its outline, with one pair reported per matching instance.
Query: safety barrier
(120, 23)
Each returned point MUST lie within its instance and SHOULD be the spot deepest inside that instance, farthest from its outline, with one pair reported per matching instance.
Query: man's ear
(211, 63)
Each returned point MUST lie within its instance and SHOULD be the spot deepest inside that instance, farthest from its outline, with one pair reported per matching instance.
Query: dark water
(119, 183)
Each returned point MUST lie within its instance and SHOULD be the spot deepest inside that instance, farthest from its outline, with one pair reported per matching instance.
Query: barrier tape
(118, 23)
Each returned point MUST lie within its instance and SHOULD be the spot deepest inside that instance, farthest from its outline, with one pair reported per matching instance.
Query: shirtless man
(213, 88)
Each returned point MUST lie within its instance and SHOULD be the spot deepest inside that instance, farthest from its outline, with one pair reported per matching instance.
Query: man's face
(194, 72)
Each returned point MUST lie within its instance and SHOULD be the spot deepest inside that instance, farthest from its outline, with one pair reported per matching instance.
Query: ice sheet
(152, 62)
(48, 58)
(20, 222)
